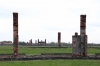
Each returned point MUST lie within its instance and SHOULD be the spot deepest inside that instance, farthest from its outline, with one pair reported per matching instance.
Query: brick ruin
(79, 42)
(59, 39)
(42, 42)
(30, 42)
(15, 34)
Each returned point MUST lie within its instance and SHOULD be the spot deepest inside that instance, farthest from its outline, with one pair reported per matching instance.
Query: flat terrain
(52, 63)
(35, 51)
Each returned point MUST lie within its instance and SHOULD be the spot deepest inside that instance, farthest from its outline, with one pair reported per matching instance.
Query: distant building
(6, 42)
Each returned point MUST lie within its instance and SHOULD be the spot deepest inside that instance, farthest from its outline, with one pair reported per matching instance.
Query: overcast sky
(43, 19)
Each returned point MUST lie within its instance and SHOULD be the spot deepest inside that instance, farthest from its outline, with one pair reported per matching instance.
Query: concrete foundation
(46, 56)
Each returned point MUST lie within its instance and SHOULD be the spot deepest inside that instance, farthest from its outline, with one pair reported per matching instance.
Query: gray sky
(43, 19)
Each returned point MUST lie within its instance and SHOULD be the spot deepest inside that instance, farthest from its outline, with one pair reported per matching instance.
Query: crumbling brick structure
(42, 42)
(15, 34)
(79, 42)
(59, 39)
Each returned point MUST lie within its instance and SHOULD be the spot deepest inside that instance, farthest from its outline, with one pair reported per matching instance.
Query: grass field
(52, 63)
(32, 50)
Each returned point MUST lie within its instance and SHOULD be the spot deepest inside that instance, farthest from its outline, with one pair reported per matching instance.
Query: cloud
(45, 18)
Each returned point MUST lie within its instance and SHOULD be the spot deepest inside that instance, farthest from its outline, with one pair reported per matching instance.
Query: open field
(52, 63)
(32, 50)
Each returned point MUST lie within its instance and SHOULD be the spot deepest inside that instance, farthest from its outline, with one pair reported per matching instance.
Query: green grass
(6, 49)
(93, 50)
(52, 63)
(32, 50)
